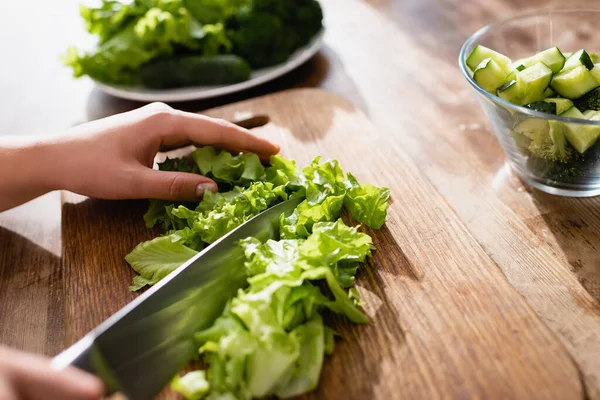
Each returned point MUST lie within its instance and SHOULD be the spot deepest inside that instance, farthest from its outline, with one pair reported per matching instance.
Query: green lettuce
(367, 203)
(270, 340)
(193, 385)
(135, 32)
(132, 34)
(158, 257)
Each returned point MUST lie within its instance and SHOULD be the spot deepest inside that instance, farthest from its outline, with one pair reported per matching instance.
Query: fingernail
(201, 188)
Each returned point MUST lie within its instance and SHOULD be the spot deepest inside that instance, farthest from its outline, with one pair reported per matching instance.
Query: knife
(139, 349)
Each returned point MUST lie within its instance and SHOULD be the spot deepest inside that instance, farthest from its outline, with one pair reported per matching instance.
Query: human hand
(112, 158)
(29, 377)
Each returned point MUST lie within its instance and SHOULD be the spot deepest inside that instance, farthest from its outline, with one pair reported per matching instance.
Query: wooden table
(546, 249)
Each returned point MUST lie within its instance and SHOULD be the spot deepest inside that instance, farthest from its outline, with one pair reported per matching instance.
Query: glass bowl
(521, 37)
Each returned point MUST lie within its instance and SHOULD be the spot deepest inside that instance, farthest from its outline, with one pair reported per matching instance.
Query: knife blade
(140, 348)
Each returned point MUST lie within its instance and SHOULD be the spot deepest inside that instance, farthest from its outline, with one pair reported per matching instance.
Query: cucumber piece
(580, 57)
(542, 106)
(581, 137)
(594, 116)
(589, 101)
(594, 57)
(574, 83)
(513, 75)
(552, 58)
(517, 64)
(572, 112)
(510, 92)
(548, 92)
(596, 72)
(533, 81)
(588, 114)
(533, 127)
(489, 75)
(480, 53)
(562, 105)
(567, 55)
(194, 71)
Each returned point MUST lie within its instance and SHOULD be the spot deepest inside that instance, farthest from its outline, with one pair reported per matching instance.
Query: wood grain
(462, 159)
(440, 310)
(31, 316)
(437, 299)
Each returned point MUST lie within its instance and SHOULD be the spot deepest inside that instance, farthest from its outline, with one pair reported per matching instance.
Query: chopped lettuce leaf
(226, 215)
(192, 386)
(331, 243)
(328, 176)
(367, 203)
(224, 167)
(307, 369)
(300, 223)
(132, 35)
(270, 340)
(156, 258)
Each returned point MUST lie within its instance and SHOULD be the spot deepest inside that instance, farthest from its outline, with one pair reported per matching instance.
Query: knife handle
(86, 356)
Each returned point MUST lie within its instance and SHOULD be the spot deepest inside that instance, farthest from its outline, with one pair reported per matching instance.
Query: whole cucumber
(194, 70)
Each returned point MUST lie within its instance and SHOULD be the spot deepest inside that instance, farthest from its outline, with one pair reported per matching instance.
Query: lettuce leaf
(270, 340)
(131, 34)
(228, 212)
(192, 386)
(224, 167)
(300, 223)
(367, 203)
(158, 257)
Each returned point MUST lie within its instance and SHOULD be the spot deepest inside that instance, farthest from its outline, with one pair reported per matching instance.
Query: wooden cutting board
(444, 320)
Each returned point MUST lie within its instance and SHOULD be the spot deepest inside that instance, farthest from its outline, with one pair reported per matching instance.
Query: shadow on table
(324, 70)
(575, 224)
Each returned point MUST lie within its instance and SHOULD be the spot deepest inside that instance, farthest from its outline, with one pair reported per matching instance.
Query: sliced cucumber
(596, 72)
(518, 64)
(533, 81)
(581, 137)
(511, 92)
(574, 83)
(552, 57)
(594, 57)
(595, 117)
(542, 106)
(513, 74)
(580, 57)
(567, 55)
(480, 53)
(489, 75)
(532, 127)
(562, 105)
(548, 92)
(588, 114)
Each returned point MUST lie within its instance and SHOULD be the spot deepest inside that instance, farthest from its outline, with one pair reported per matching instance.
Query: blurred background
(40, 95)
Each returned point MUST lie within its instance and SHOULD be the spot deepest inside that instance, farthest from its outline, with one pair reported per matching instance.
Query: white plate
(258, 77)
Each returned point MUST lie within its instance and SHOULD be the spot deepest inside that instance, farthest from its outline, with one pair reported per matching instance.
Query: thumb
(168, 185)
